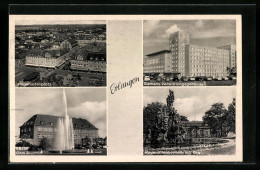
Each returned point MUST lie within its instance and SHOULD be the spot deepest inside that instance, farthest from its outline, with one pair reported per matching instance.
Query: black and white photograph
(61, 121)
(55, 53)
(189, 121)
(189, 52)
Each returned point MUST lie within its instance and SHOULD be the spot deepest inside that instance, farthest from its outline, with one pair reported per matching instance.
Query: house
(68, 44)
(88, 61)
(196, 129)
(39, 126)
(45, 58)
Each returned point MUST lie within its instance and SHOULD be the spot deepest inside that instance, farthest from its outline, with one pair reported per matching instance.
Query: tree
(23, 143)
(86, 142)
(184, 118)
(150, 116)
(231, 116)
(215, 118)
(44, 143)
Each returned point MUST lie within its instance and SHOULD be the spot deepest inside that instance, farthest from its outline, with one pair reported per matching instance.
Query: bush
(34, 148)
(23, 143)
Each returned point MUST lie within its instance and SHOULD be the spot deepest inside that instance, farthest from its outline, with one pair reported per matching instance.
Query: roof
(89, 55)
(159, 52)
(48, 120)
(82, 124)
(73, 42)
(37, 52)
(54, 53)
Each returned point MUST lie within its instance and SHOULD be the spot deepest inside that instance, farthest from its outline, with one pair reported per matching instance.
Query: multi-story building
(46, 58)
(88, 61)
(232, 55)
(159, 62)
(177, 43)
(205, 61)
(39, 126)
(191, 60)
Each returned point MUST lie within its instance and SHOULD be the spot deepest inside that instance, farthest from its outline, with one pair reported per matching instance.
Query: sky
(83, 103)
(191, 102)
(60, 22)
(156, 32)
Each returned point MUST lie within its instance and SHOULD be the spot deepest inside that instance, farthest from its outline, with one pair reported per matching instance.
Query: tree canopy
(219, 119)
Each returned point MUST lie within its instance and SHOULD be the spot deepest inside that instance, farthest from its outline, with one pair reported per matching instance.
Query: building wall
(158, 63)
(232, 55)
(88, 65)
(168, 63)
(177, 43)
(48, 132)
(79, 134)
(41, 61)
(65, 45)
(36, 133)
(206, 61)
(199, 132)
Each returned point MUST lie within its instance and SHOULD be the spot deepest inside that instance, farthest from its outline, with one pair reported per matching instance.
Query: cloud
(150, 26)
(95, 106)
(192, 102)
(94, 112)
(83, 103)
(172, 29)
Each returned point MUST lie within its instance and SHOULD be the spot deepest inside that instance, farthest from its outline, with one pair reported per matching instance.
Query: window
(39, 129)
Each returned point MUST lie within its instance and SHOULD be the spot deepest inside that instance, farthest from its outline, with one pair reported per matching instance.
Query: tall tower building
(177, 43)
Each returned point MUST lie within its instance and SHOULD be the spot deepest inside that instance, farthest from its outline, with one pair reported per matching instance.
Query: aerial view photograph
(60, 53)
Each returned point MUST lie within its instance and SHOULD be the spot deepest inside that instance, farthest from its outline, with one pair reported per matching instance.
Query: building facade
(206, 61)
(68, 44)
(39, 126)
(192, 60)
(89, 61)
(232, 55)
(195, 129)
(177, 43)
(47, 58)
(159, 62)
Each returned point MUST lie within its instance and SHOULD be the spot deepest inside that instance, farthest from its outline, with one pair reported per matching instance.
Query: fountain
(64, 137)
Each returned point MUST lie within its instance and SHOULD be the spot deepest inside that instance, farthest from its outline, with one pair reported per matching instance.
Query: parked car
(175, 78)
(199, 78)
(183, 78)
(225, 78)
(192, 79)
(232, 78)
(146, 78)
(209, 78)
(167, 79)
(218, 78)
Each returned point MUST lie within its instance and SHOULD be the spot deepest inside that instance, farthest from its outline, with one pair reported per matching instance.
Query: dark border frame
(248, 12)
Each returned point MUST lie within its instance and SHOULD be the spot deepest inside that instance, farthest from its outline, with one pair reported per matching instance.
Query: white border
(124, 158)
